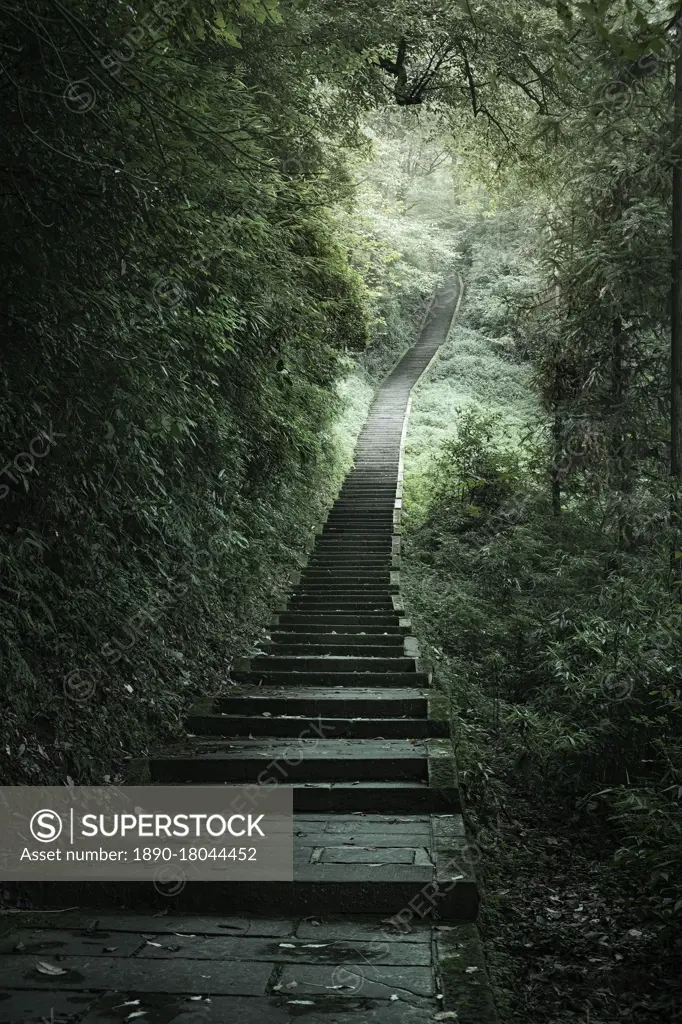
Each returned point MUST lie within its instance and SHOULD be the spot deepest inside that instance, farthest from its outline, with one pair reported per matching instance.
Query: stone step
(350, 559)
(320, 663)
(327, 592)
(337, 585)
(364, 544)
(329, 597)
(375, 797)
(340, 618)
(360, 516)
(346, 571)
(340, 578)
(339, 639)
(372, 504)
(307, 650)
(310, 701)
(340, 604)
(329, 562)
(267, 761)
(363, 527)
(290, 725)
(349, 538)
(357, 529)
(343, 628)
(353, 513)
(365, 492)
(368, 679)
(345, 592)
(345, 589)
(337, 546)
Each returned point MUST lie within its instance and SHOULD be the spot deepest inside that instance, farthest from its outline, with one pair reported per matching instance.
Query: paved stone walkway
(378, 923)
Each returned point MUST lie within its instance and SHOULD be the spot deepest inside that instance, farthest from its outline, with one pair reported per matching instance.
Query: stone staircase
(339, 707)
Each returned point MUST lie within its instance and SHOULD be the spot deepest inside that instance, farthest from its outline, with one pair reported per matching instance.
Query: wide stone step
(303, 760)
(370, 515)
(339, 619)
(349, 559)
(359, 529)
(331, 589)
(331, 728)
(363, 516)
(328, 600)
(337, 550)
(372, 680)
(372, 501)
(367, 492)
(338, 639)
(337, 582)
(364, 509)
(346, 663)
(338, 567)
(323, 627)
(356, 534)
(343, 571)
(329, 702)
(312, 649)
(327, 592)
(365, 527)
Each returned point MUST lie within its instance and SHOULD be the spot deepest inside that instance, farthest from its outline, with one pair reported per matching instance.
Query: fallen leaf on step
(45, 968)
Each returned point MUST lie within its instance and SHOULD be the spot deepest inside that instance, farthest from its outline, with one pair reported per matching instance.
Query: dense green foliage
(556, 636)
(177, 316)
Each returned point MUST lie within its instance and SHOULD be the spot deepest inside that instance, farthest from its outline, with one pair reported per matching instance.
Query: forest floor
(566, 939)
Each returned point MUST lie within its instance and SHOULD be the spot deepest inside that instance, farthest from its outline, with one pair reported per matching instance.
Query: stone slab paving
(178, 969)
